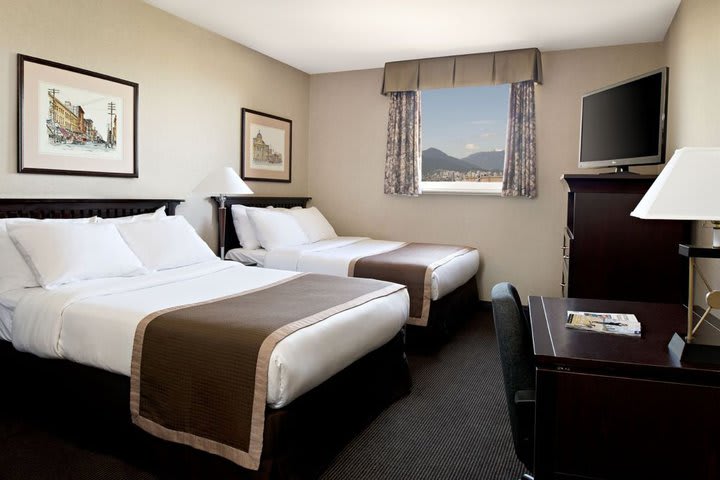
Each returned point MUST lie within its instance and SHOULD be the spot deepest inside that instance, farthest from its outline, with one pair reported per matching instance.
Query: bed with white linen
(87, 316)
(281, 233)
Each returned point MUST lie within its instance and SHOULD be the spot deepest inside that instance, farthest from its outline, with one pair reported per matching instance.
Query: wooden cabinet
(610, 255)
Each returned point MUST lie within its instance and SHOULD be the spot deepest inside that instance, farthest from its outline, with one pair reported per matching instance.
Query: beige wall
(692, 48)
(519, 239)
(193, 84)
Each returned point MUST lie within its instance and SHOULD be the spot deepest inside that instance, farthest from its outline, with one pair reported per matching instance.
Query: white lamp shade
(688, 188)
(223, 181)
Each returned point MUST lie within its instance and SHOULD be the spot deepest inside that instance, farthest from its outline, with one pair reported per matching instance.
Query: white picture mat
(34, 74)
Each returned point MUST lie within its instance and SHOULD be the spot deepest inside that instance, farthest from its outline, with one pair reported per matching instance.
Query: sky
(463, 121)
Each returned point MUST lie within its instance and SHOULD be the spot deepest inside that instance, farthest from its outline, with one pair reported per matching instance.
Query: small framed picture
(266, 147)
(75, 122)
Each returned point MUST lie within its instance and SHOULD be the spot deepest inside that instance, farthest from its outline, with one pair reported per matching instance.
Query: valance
(490, 68)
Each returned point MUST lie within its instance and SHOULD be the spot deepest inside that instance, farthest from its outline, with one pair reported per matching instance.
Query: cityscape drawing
(79, 121)
(268, 144)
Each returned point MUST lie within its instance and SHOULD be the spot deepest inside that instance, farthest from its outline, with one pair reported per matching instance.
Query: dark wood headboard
(81, 207)
(231, 239)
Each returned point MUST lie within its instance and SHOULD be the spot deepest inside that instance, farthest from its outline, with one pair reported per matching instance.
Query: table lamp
(687, 189)
(222, 182)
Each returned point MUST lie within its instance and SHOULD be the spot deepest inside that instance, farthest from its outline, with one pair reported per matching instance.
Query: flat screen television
(624, 124)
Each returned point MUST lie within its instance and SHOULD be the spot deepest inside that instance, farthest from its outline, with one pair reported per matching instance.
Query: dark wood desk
(613, 407)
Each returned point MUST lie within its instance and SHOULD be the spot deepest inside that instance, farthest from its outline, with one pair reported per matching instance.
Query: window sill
(432, 188)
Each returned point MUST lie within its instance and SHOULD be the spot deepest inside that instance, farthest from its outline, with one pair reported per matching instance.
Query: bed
(443, 287)
(314, 396)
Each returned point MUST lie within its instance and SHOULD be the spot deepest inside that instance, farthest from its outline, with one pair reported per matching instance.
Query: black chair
(514, 337)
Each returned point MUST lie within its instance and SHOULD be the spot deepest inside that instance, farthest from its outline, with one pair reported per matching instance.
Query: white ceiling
(318, 36)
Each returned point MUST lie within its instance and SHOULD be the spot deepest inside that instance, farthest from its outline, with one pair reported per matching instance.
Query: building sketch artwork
(267, 148)
(79, 121)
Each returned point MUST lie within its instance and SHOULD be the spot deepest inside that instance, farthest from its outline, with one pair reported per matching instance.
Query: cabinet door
(619, 257)
(654, 429)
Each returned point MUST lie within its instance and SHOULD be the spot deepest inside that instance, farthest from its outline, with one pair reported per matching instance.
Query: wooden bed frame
(90, 406)
(445, 313)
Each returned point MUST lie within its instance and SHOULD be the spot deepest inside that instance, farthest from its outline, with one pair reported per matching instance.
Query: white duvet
(93, 323)
(333, 257)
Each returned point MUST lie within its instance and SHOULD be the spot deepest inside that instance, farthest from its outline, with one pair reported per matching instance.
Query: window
(463, 135)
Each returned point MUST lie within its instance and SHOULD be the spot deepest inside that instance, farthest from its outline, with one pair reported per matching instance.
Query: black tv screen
(624, 124)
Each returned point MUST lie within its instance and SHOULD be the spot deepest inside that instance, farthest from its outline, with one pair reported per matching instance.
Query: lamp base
(693, 352)
(704, 347)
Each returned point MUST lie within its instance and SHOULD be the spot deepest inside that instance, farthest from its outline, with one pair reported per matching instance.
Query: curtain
(520, 157)
(402, 159)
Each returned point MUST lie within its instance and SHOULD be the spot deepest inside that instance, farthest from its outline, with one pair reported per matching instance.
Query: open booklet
(615, 323)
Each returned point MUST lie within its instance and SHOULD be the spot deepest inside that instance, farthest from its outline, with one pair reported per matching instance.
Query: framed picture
(75, 122)
(266, 147)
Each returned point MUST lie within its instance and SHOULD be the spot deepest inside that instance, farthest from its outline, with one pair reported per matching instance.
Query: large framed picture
(75, 122)
(266, 147)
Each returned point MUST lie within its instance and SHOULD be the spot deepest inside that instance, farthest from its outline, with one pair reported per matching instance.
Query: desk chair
(514, 338)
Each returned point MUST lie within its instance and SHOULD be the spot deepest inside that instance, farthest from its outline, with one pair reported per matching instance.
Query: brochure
(614, 323)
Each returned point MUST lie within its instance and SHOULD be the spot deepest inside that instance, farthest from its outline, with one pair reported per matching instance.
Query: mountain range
(434, 159)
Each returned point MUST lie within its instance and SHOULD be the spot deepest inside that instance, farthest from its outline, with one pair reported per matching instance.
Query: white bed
(80, 279)
(333, 257)
(93, 322)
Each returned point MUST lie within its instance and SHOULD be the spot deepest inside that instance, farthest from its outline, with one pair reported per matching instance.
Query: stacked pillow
(15, 270)
(272, 228)
(51, 253)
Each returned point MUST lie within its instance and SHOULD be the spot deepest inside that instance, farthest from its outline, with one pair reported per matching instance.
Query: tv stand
(624, 169)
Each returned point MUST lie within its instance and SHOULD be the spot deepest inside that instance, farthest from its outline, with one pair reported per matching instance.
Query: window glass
(463, 135)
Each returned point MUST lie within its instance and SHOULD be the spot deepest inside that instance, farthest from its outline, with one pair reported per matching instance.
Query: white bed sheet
(247, 256)
(6, 315)
(8, 302)
(333, 257)
(94, 323)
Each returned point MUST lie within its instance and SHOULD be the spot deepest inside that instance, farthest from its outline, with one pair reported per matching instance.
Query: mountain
(486, 160)
(434, 159)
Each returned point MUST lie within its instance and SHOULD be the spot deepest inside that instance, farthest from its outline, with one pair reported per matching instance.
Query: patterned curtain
(402, 159)
(520, 157)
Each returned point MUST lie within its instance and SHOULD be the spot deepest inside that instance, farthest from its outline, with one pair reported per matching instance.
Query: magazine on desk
(615, 323)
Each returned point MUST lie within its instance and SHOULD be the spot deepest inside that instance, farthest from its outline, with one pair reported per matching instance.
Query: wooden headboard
(81, 207)
(231, 239)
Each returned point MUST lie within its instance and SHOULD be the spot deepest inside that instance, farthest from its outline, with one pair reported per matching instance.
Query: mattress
(332, 257)
(94, 322)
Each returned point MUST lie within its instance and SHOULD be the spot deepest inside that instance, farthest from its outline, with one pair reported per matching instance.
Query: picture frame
(266, 147)
(73, 121)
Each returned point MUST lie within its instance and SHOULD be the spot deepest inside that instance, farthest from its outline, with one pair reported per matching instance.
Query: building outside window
(463, 139)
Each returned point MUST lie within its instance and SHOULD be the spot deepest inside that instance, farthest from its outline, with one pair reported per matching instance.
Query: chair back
(518, 365)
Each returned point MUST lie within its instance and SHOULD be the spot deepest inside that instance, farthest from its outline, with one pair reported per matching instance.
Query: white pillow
(276, 229)
(60, 252)
(168, 243)
(243, 228)
(14, 271)
(313, 223)
(158, 214)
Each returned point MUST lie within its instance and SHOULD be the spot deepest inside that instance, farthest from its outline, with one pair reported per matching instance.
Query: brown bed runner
(412, 265)
(199, 372)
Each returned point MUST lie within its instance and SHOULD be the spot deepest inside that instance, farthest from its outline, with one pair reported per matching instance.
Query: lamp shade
(223, 181)
(688, 188)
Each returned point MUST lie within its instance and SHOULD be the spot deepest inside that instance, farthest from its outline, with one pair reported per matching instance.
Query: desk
(613, 407)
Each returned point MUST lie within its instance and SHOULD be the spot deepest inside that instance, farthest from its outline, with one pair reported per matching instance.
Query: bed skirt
(446, 314)
(90, 408)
